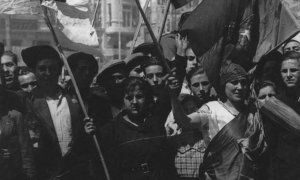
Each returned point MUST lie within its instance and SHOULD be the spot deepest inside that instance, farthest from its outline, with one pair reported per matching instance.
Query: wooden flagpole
(95, 13)
(136, 33)
(76, 89)
(162, 26)
(161, 56)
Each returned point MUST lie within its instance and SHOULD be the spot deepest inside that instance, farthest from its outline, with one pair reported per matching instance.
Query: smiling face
(47, 72)
(9, 68)
(236, 90)
(200, 86)
(135, 101)
(290, 72)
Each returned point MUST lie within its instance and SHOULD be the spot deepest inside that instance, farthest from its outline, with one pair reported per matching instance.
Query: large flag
(28, 7)
(179, 3)
(208, 29)
(279, 20)
(72, 25)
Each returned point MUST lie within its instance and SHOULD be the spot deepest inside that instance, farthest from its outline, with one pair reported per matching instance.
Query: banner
(28, 7)
(72, 25)
(279, 20)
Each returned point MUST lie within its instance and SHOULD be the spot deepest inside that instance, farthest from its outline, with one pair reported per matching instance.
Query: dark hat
(1, 48)
(74, 58)
(146, 48)
(32, 55)
(108, 68)
(134, 60)
(232, 72)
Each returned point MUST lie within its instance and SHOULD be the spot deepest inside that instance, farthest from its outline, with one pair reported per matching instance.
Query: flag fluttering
(72, 25)
(28, 7)
(279, 20)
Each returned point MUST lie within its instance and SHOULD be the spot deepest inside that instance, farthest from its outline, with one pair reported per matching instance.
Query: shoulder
(210, 106)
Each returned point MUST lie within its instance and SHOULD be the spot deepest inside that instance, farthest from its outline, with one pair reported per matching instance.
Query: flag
(179, 3)
(28, 7)
(209, 28)
(279, 20)
(71, 22)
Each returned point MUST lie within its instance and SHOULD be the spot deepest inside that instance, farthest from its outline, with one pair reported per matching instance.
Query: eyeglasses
(26, 85)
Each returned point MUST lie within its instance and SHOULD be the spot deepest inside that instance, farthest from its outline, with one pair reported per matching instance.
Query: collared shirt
(61, 117)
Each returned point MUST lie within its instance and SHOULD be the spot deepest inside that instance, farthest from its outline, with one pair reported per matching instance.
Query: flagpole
(161, 56)
(136, 33)
(162, 27)
(60, 50)
(95, 13)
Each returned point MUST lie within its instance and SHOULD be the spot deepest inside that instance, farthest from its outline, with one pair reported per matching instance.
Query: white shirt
(61, 117)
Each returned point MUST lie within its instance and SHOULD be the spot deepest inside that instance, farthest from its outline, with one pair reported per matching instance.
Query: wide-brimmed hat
(109, 68)
(32, 55)
(135, 60)
(74, 58)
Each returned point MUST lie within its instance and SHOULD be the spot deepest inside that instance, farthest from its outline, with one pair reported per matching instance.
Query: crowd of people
(151, 123)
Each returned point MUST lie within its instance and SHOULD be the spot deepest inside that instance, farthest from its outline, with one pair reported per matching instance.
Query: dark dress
(138, 151)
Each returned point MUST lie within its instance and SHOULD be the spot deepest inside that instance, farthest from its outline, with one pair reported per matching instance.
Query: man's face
(47, 72)
(135, 101)
(154, 75)
(292, 46)
(27, 82)
(10, 69)
(192, 61)
(200, 86)
(83, 74)
(290, 72)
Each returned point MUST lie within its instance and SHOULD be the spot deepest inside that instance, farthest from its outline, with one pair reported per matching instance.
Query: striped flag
(72, 25)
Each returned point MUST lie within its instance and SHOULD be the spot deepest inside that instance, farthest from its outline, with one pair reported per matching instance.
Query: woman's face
(236, 90)
(135, 101)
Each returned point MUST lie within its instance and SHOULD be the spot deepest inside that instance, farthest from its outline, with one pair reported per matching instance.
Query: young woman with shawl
(231, 129)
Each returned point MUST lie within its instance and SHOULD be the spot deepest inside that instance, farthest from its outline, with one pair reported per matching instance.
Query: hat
(74, 58)
(109, 68)
(232, 72)
(146, 48)
(32, 55)
(134, 60)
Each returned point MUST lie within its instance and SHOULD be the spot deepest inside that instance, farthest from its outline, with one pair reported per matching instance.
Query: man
(283, 143)
(55, 116)
(190, 145)
(27, 82)
(291, 45)
(134, 63)
(9, 64)
(112, 77)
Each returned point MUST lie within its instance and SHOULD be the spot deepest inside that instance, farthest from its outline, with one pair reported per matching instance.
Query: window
(109, 14)
(126, 15)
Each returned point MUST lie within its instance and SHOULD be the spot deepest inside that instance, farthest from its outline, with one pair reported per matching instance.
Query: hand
(172, 129)
(181, 44)
(172, 82)
(89, 126)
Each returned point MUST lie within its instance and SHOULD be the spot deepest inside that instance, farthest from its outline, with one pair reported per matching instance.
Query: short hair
(264, 84)
(11, 54)
(291, 55)
(23, 70)
(151, 62)
(292, 40)
(273, 56)
(194, 72)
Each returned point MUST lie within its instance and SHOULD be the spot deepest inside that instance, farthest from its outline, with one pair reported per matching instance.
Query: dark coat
(49, 160)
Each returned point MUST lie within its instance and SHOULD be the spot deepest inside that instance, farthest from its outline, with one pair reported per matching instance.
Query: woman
(230, 128)
(134, 143)
(16, 158)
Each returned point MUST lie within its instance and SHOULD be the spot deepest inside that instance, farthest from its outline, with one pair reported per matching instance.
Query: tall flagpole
(161, 56)
(76, 89)
(163, 23)
(136, 33)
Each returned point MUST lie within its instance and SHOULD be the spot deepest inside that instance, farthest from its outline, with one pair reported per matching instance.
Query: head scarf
(232, 72)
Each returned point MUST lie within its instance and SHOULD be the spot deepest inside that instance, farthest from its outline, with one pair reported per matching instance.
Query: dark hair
(23, 70)
(194, 72)
(264, 84)
(74, 59)
(273, 56)
(291, 55)
(151, 62)
(292, 40)
(11, 54)
(133, 82)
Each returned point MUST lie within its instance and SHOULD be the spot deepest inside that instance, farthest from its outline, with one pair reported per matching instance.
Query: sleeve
(25, 144)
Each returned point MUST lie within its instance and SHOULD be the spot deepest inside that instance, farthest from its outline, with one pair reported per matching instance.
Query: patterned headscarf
(232, 72)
